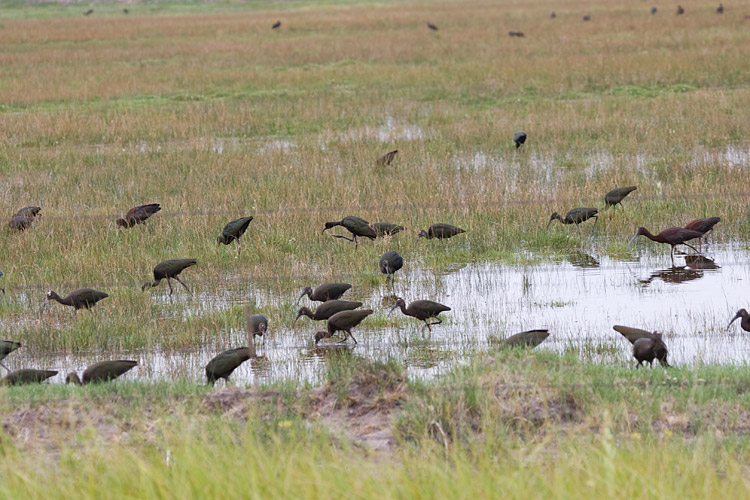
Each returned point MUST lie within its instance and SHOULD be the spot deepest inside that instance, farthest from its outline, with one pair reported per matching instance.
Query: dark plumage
(576, 216)
(387, 158)
(529, 339)
(257, 324)
(27, 376)
(519, 138)
(81, 298)
(745, 323)
(422, 310)
(169, 269)
(390, 262)
(355, 225)
(432, 26)
(234, 231)
(703, 226)
(343, 321)
(225, 363)
(23, 218)
(324, 292)
(138, 215)
(1, 288)
(672, 236)
(7, 347)
(125, 11)
(30, 211)
(680, 10)
(720, 9)
(88, 12)
(587, 17)
(386, 228)
(553, 15)
(654, 10)
(440, 231)
(275, 25)
(617, 195)
(516, 33)
(649, 349)
(103, 371)
(328, 309)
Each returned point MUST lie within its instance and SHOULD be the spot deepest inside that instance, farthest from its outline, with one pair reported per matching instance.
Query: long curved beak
(632, 240)
(548, 223)
(730, 323)
(392, 309)
(300, 297)
(324, 230)
(295, 319)
(44, 305)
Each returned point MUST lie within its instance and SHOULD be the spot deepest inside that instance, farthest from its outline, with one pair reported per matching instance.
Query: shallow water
(578, 298)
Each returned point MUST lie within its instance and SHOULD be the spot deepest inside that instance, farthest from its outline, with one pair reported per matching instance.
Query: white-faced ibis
(343, 321)
(276, 25)
(234, 231)
(328, 309)
(88, 12)
(720, 9)
(24, 218)
(672, 236)
(649, 349)
(27, 376)
(616, 196)
(440, 231)
(576, 216)
(432, 26)
(355, 225)
(422, 310)
(257, 325)
(225, 363)
(8, 346)
(390, 262)
(387, 158)
(587, 17)
(324, 292)
(745, 323)
(703, 226)
(519, 138)
(654, 10)
(80, 298)
(529, 339)
(30, 211)
(138, 215)
(386, 228)
(680, 10)
(103, 371)
(169, 269)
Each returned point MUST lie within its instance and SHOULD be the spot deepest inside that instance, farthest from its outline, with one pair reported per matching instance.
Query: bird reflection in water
(700, 262)
(674, 274)
(329, 352)
(583, 260)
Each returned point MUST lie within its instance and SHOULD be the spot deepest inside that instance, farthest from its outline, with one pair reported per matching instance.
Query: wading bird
(649, 349)
(27, 376)
(519, 138)
(103, 371)
(88, 12)
(328, 309)
(616, 196)
(432, 26)
(23, 218)
(390, 262)
(529, 339)
(720, 9)
(275, 25)
(672, 236)
(386, 228)
(680, 10)
(234, 231)
(257, 325)
(703, 226)
(343, 321)
(225, 363)
(422, 310)
(745, 323)
(81, 298)
(387, 158)
(8, 346)
(324, 292)
(587, 17)
(138, 215)
(355, 225)
(576, 216)
(440, 231)
(654, 10)
(168, 270)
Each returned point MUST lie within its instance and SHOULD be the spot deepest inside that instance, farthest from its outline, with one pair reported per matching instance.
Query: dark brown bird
(529, 339)
(138, 215)
(27, 376)
(576, 216)
(356, 226)
(616, 196)
(234, 231)
(422, 310)
(328, 309)
(324, 292)
(720, 9)
(672, 236)
(654, 10)
(553, 15)
(30, 211)
(587, 17)
(390, 262)
(8, 346)
(745, 323)
(257, 324)
(343, 321)
(24, 218)
(81, 298)
(225, 363)
(516, 33)
(88, 12)
(649, 349)
(680, 10)
(387, 158)
(432, 26)
(125, 11)
(440, 231)
(703, 226)
(275, 25)
(103, 371)
(519, 138)
(168, 270)
(386, 228)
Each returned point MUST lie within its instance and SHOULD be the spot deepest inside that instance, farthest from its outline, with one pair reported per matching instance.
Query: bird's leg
(691, 246)
(428, 326)
(436, 322)
(169, 282)
(671, 254)
(356, 244)
(183, 284)
(239, 248)
(343, 341)
(596, 219)
(352, 336)
(342, 236)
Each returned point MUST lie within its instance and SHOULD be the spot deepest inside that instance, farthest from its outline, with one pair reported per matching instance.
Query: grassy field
(203, 108)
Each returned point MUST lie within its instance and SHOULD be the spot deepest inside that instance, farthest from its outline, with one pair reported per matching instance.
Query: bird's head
(742, 313)
(122, 222)
(72, 378)
(305, 291)
(304, 311)
(321, 335)
(554, 216)
(329, 225)
(641, 231)
(399, 303)
(222, 239)
(422, 233)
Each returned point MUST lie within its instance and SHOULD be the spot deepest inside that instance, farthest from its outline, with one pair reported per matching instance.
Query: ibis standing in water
(8, 346)
(440, 231)
(257, 325)
(577, 216)
(356, 226)
(27, 376)
(672, 236)
(138, 215)
(225, 363)
(703, 226)
(81, 298)
(648, 349)
(389, 263)
(234, 231)
(103, 371)
(328, 309)
(519, 137)
(422, 310)
(616, 196)
(169, 269)
(745, 323)
(324, 292)
(343, 321)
